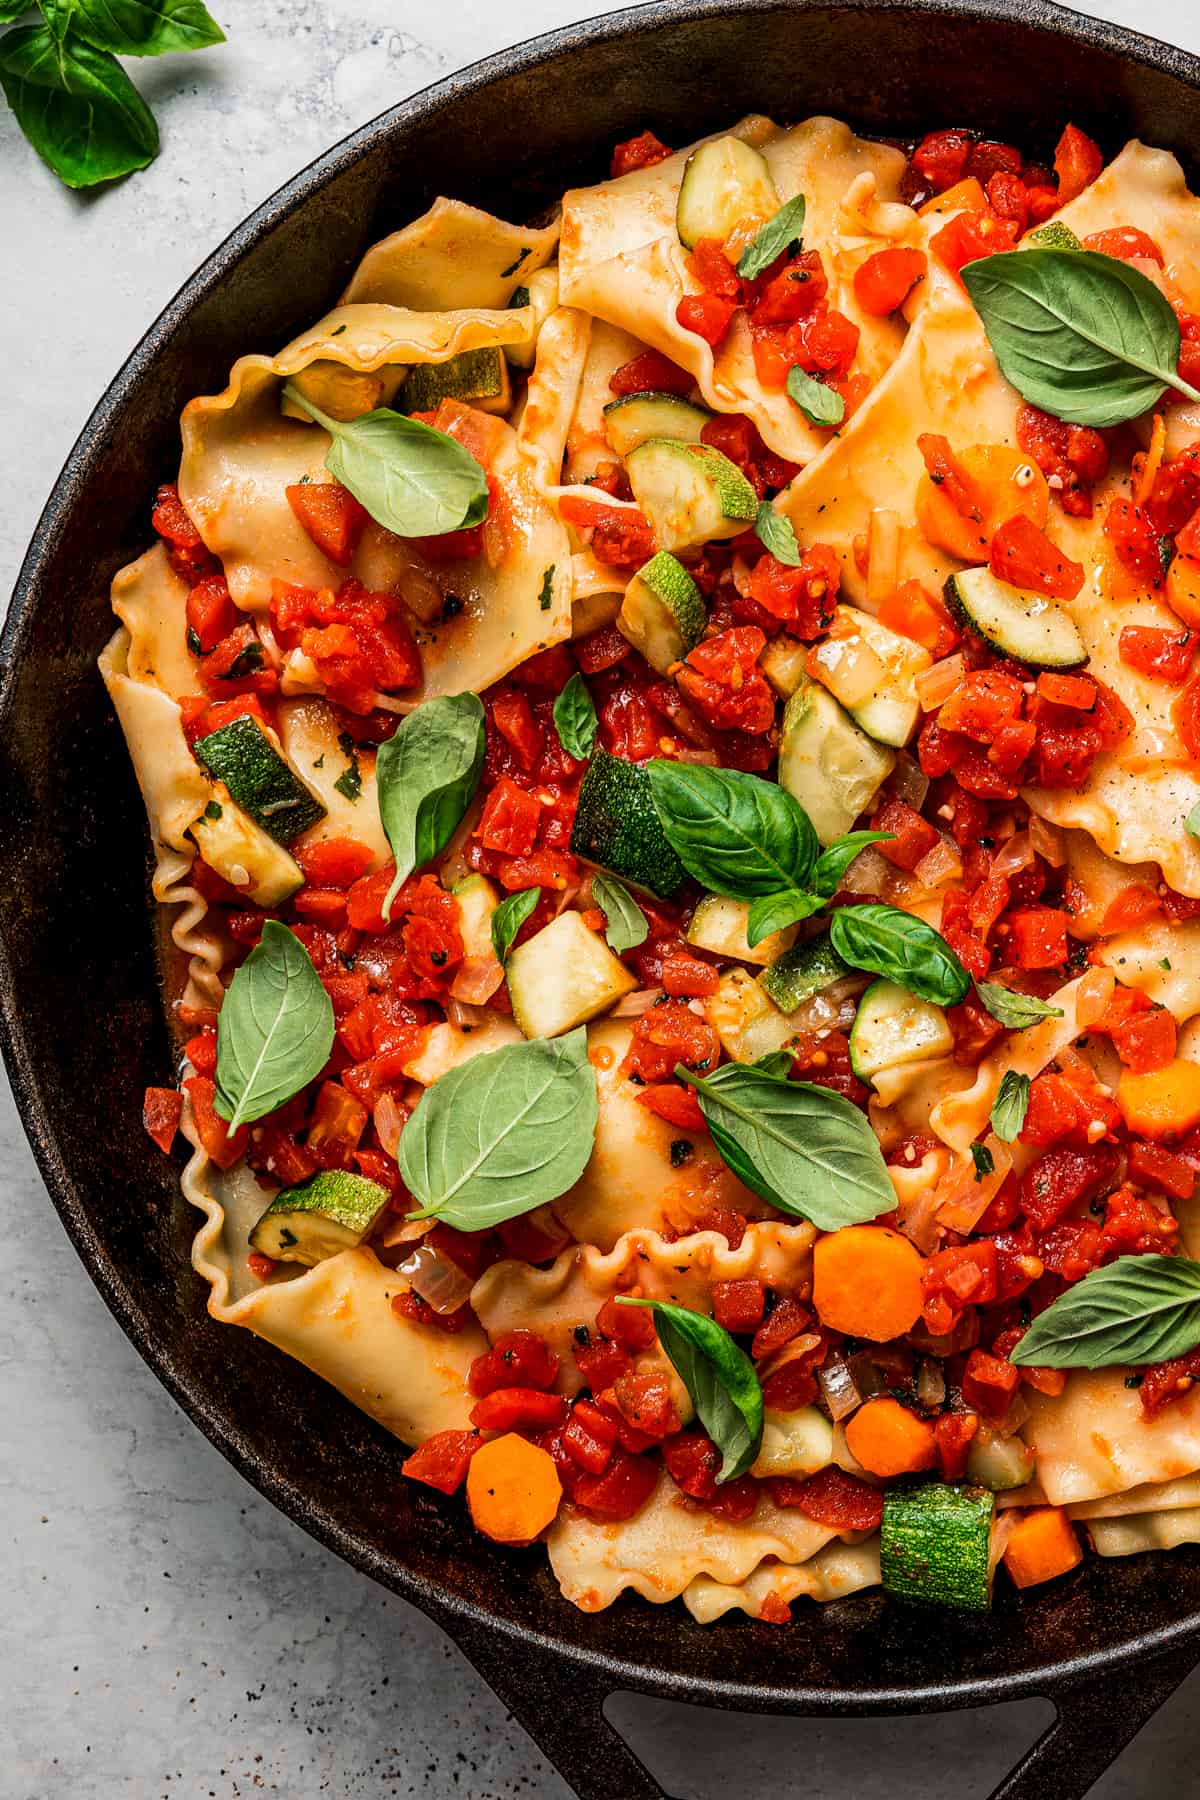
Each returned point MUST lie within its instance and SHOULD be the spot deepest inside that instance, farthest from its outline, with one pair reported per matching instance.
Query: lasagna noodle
(452, 256)
(317, 750)
(621, 259)
(833, 1573)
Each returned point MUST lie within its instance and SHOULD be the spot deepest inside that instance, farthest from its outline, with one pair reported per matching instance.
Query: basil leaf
(775, 530)
(1010, 1106)
(780, 231)
(135, 27)
(776, 1063)
(77, 107)
(806, 1150)
(1139, 1309)
(1192, 823)
(575, 719)
(736, 834)
(895, 944)
(413, 480)
(425, 778)
(1083, 336)
(983, 1159)
(820, 405)
(775, 912)
(1013, 1010)
(718, 1375)
(509, 917)
(501, 1134)
(274, 1030)
(833, 862)
(626, 924)
(12, 10)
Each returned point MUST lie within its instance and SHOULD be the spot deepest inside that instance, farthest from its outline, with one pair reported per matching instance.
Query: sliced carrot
(887, 1439)
(513, 1489)
(964, 196)
(1006, 484)
(1042, 1544)
(867, 1282)
(1162, 1103)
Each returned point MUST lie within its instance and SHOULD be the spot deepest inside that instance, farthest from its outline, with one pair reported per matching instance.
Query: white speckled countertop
(165, 1632)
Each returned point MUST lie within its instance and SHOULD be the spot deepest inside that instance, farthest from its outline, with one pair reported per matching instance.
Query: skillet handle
(1097, 1717)
(561, 1706)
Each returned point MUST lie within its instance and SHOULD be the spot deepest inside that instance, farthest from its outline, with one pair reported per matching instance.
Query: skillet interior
(73, 910)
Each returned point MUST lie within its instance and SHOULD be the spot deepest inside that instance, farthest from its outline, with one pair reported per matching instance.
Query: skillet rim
(445, 1606)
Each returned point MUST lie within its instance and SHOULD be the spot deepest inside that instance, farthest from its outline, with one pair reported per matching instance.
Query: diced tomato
(1125, 242)
(1187, 717)
(589, 1437)
(211, 1129)
(974, 1031)
(802, 597)
(832, 1498)
(517, 1409)
(1064, 1179)
(331, 516)
(964, 1275)
(518, 1358)
(510, 819)
(940, 159)
(785, 1321)
(1158, 652)
(798, 289)
(689, 976)
(708, 264)
(334, 862)
(989, 1383)
(1075, 691)
(1134, 1226)
(337, 1124)
(722, 680)
(824, 1059)
(201, 1052)
(1024, 556)
(513, 717)
(953, 1435)
(949, 476)
(914, 612)
(618, 535)
(442, 1460)
(739, 1305)
(670, 1033)
(707, 315)
(734, 1500)
(984, 700)
(211, 614)
(730, 1225)
(651, 373)
(1077, 162)
(185, 548)
(161, 1109)
(1075, 455)
(1164, 1382)
(912, 836)
(410, 1306)
(1038, 937)
(1152, 1166)
(1135, 542)
(1147, 1041)
(1008, 199)
(632, 1327)
(644, 1401)
(676, 1104)
(621, 1490)
(601, 1361)
(640, 152)
(970, 235)
(238, 665)
(693, 1463)
(883, 282)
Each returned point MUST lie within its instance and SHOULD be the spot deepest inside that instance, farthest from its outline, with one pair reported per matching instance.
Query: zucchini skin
(934, 1545)
(803, 971)
(259, 779)
(617, 827)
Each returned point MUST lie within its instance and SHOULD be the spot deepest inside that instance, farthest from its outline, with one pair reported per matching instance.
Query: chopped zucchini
(629, 421)
(663, 613)
(334, 1211)
(259, 779)
(1054, 235)
(690, 493)
(794, 1443)
(872, 671)
(342, 393)
(724, 181)
(1028, 627)
(784, 662)
(477, 900)
(748, 1023)
(479, 378)
(240, 851)
(827, 762)
(617, 828)
(935, 1545)
(719, 925)
(999, 1463)
(562, 976)
(541, 293)
(445, 1046)
(893, 1027)
(802, 972)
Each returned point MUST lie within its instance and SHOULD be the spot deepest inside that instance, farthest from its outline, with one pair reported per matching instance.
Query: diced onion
(1016, 1416)
(466, 1016)
(883, 556)
(962, 1199)
(389, 1118)
(867, 873)
(941, 864)
(937, 684)
(632, 1006)
(804, 1345)
(909, 781)
(1048, 841)
(475, 981)
(1013, 856)
(837, 1386)
(931, 1383)
(436, 1278)
(740, 572)
(832, 1009)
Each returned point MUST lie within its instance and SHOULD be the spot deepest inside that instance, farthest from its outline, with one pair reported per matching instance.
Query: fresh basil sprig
(1014, 1010)
(1084, 336)
(806, 1150)
(71, 97)
(1139, 1309)
(627, 925)
(833, 862)
(425, 779)
(902, 948)
(575, 719)
(1192, 823)
(509, 917)
(821, 405)
(501, 1134)
(1010, 1106)
(780, 232)
(719, 1377)
(736, 834)
(274, 1030)
(775, 912)
(776, 532)
(415, 481)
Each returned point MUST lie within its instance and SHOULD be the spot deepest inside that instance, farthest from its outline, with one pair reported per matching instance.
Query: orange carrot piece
(867, 1282)
(513, 1489)
(1042, 1544)
(887, 1439)
(1163, 1102)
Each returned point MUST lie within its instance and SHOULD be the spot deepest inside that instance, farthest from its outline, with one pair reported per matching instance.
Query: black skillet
(82, 1027)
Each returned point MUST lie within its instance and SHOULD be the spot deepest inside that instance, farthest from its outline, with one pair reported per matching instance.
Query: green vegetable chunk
(935, 1544)
(617, 827)
(264, 785)
(332, 1212)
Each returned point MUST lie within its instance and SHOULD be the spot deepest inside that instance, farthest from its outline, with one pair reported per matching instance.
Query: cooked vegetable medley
(672, 744)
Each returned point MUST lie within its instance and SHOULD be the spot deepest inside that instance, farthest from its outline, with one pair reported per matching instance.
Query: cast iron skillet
(509, 133)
